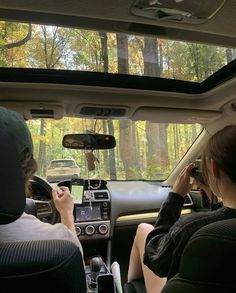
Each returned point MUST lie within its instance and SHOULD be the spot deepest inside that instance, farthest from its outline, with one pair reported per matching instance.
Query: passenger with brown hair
(157, 250)
(28, 227)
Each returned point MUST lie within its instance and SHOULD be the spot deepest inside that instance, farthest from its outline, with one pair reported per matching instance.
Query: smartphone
(105, 284)
(196, 171)
(77, 190)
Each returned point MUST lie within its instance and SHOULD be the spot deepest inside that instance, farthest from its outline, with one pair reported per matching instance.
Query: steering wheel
(40, 208)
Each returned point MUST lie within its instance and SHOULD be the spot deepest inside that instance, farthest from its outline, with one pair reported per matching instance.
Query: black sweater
(165, 244)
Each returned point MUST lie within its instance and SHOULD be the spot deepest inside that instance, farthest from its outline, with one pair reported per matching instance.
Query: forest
(144, 150)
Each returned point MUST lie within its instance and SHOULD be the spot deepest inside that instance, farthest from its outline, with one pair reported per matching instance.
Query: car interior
(158, 78)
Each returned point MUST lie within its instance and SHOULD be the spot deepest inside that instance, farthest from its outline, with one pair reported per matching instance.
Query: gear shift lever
(95, 267)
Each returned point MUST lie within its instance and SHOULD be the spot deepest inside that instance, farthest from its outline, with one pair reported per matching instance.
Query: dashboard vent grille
(100, 195)
(42, 207)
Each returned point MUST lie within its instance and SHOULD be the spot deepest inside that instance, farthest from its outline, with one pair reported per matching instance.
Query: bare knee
(142, 231)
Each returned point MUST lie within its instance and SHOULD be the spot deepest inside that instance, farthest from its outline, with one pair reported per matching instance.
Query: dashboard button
(78, 230)
(103, 229)
(89, 230)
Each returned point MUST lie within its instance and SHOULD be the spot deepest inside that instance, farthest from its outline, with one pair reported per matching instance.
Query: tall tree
(157, 154)
(105, 153)
(229, 54)
(126, 139)
(42, 148)
(50, 49)
(104, 55)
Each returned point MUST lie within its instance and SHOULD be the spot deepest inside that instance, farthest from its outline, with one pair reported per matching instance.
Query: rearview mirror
(89, 141)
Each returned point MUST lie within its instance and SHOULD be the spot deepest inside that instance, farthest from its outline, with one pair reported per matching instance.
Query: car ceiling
(116, 16)
(67, 99)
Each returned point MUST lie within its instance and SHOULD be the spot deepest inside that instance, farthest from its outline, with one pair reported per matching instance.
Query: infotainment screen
(77, 192)
(88, 213)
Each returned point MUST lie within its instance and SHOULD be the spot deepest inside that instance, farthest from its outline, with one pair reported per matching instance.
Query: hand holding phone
(58, 189)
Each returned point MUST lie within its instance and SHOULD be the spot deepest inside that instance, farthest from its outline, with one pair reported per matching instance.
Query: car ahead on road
(158, 75)
(62, 169)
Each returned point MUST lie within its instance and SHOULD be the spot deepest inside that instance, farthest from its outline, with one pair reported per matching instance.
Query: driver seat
(32, 266)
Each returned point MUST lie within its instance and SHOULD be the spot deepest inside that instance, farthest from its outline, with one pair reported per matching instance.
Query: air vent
(194, 12)
(102, 112)
(42, 207)
(188, 200)
(101, 195)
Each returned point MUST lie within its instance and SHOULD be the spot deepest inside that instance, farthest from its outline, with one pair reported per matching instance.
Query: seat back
(208, 260)
(41, 266)
(32, 266)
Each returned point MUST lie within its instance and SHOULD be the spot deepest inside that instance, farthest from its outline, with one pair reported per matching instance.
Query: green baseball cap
(13, 123)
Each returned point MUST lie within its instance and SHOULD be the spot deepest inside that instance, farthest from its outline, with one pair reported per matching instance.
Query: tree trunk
(42, 148)
(105, 153)
(229, 54)
(103, 37)
(112, 159)
(176, 143)
(125, 129)
(194, 51)
(157, 152)
(122, 53)
(135, 145)
(151, 56)
(194, 132)
(127, 152)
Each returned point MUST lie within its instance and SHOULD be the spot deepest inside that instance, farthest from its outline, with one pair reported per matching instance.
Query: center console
(92, 205)
(92, 219)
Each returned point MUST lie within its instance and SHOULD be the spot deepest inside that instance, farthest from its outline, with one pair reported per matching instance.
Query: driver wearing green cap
(28, 227)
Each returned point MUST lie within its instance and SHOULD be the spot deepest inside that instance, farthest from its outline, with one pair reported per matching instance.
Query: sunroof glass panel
(52, 47)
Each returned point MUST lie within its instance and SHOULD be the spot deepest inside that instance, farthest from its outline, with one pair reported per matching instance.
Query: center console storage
(92, 211)
(99, 278)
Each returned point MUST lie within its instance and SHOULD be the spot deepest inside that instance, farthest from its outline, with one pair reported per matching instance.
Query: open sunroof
(40, 46)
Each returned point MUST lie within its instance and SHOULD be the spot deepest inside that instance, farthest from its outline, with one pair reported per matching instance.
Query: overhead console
(35, 110)
(92, 205)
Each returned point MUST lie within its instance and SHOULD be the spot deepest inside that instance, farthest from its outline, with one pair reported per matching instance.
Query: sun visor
(164, 115)
(36, 110)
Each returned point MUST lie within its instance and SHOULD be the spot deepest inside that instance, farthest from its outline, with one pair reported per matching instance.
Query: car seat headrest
(12, 189)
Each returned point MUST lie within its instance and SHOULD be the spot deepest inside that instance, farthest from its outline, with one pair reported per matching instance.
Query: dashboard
(107, 212)
(102, 206)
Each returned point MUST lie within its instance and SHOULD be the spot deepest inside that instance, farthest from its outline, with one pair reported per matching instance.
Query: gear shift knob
(95, 267)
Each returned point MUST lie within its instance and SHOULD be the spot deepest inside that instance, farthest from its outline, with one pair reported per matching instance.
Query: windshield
(144, 150)
(53, 47)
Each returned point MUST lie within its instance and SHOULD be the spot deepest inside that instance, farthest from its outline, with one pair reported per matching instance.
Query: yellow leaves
(37, 138)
